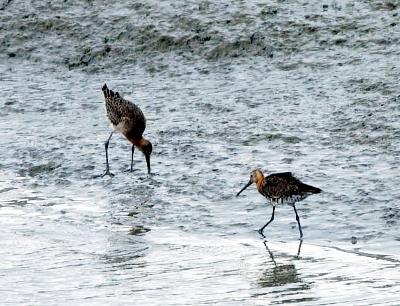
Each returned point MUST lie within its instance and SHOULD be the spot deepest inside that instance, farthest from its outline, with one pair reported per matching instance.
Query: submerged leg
(270, 253)
(261, 230)
(131, 168)
(107, 171)
(299, 248)
(298, 222)
(133, 151)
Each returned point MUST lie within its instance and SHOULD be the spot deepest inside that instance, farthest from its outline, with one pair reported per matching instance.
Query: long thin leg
(261, 230)
(133, 151)
(107, 171)
(298, 222)
(299, 248)
(131, 168)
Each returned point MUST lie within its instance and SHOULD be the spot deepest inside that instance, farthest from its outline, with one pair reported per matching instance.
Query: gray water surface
(226, 87)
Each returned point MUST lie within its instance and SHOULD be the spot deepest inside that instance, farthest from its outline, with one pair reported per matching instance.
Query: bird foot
(261, 232)
(107, 172)
(129, 170)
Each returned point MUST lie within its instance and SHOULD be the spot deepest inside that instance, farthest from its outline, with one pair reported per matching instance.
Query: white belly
(288, 201)
(118, 128)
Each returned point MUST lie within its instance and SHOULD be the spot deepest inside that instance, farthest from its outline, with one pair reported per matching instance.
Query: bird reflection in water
(280, 274)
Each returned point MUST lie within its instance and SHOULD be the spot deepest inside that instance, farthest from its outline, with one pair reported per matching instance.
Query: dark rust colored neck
(260, 184)
(139, 142)
(259, 180)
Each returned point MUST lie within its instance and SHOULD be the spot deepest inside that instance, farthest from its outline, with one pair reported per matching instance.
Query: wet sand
(226, 88)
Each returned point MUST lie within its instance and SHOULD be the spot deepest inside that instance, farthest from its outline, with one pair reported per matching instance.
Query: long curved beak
(148, 163)
(247, 185)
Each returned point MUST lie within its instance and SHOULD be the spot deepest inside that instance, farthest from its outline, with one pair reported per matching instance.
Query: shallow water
(320, 100)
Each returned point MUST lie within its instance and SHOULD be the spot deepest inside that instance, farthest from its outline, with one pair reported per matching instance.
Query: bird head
(146, 147)
(256, 176)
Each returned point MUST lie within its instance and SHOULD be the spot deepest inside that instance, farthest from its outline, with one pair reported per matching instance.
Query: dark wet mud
(226, 87)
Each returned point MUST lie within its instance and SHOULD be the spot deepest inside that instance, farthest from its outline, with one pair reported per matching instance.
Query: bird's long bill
(247, 185)
(148, 163)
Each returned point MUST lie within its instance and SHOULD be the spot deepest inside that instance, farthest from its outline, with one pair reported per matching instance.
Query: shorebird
(127, 118)
(280, 188)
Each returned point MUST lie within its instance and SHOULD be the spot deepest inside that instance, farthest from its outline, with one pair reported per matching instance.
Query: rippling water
(226, 87)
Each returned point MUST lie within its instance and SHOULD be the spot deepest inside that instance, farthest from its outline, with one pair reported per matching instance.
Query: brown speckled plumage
(124, 115)
(280, 188)
(127, 118)
(284, 187)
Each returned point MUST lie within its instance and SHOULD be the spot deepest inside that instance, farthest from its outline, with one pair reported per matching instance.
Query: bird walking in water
(127, 118)
(280, 188)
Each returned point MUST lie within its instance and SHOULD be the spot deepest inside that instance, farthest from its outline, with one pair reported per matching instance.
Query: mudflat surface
(226, 87)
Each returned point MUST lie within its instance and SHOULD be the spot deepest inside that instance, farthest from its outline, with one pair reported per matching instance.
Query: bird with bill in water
(128, 119)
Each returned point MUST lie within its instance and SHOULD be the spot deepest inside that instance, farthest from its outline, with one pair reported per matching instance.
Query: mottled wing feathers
(122, 111)
(284, 185)
(283, 174)
(113, 105)
(280, 185)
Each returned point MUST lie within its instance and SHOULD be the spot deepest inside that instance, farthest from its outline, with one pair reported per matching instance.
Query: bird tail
(309, 188)
(108, 93)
